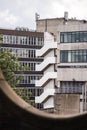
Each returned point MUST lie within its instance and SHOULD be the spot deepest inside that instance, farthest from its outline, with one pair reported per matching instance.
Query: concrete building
(23, 44)
(48, 66)
(65, 62)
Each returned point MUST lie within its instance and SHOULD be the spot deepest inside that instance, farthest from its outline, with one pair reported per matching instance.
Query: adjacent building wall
(67, 104)
(76, 72)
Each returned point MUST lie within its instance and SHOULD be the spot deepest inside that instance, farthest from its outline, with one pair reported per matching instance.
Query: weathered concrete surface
(67, 104)
(15, 114)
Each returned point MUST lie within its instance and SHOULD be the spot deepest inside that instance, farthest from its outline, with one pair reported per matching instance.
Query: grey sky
(15, 13)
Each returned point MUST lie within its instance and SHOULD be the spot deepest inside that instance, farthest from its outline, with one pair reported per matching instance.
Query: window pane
(61, 37)
(81, 37)
(69, 56)
(69, 37)
(85, 37)
(77, 37)
(65, 37)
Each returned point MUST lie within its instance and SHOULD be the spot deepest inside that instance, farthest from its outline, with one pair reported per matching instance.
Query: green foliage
(1, 38)
(9, 65)
(25, 94)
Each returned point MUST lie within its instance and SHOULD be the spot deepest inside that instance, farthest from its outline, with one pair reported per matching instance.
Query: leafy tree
(1, 38)
(23, 92)
(9, 65)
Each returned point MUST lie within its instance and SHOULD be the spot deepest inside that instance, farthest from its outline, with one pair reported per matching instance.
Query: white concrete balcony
(45, 78)
(46, 48)
(44, 95)
(45, 63)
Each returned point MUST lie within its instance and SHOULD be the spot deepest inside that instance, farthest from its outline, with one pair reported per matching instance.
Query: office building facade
(23, 44)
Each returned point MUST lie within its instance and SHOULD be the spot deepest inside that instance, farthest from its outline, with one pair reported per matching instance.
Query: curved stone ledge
(16, 114)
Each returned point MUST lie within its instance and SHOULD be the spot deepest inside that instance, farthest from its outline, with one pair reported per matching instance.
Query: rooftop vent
(22, 29)
(66, 15)
(37, 16)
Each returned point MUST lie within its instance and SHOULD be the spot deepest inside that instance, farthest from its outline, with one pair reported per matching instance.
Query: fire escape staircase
(46, 48)
(44, 95)
(45, 63)
(45, 78)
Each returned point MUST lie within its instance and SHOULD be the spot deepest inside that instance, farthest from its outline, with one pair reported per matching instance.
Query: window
(32, 91)
(31, 54)
(73, 66)
(77, 37)
(69, 38)
(26, 79)
(65, 37)
(73, 56)
(73, 37)
(85, 36)
(21, 52)
(61, 37)
(63, 56)
(31, 65)
(6, 39)
(38, 91)
(71, 87)
(23, 40)
(40, 41)
(39, 105)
